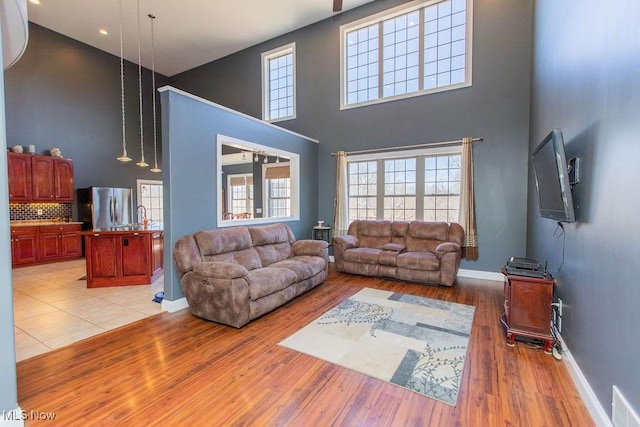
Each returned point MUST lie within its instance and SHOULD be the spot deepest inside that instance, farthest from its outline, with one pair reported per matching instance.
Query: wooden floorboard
(176, 369)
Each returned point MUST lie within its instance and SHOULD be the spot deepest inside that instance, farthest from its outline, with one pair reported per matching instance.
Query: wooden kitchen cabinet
(120, 258)
(60, 242)
(527, 308)
(24, 245)
(34, 178)
(19, 166)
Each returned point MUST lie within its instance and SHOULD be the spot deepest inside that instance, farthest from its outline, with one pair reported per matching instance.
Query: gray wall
(66, 94)
(496, 107)
(586, 82)
(190, 128)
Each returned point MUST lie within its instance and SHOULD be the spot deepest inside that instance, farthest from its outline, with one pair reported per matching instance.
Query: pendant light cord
(153, 89)
(123, 157)
(141, 163)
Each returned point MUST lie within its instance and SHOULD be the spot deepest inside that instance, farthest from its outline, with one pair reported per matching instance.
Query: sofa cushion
(426, 236)
(222, 240)
(272, 242)
(362, 255)
(373, 234)
(267, 280)
(418, 261)
(303, 266)
(394, 247)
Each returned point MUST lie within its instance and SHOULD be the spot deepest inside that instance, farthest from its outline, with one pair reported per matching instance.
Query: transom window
(408, 51)
(423, 185)
(278, 80)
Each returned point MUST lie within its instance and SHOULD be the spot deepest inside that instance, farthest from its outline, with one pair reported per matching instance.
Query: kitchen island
(125, 255)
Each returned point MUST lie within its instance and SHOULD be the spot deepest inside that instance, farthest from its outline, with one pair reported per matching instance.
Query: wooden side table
(527, 308)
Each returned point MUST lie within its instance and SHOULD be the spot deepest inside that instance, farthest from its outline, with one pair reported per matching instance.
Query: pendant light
(141, 163)
(124, 157)
(155, 167)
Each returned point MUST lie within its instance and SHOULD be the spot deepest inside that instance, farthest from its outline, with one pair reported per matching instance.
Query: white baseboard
(13, 418)
(173, 306)
(478, 274)
(597, 412)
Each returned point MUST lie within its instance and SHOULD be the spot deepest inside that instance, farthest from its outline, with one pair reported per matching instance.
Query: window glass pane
(279, 81)
(362, 50)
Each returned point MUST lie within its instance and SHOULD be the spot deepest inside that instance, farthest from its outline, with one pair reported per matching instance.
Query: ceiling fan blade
(337, 5)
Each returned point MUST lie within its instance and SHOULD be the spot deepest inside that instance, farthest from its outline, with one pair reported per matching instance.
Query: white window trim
(229, 195)
(266, 56)
(140, 183)
(392, 13)
(265, 192)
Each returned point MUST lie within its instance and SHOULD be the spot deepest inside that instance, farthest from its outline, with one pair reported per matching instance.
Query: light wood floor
(175, 369)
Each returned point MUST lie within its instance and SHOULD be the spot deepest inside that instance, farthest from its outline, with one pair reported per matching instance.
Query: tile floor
(53, 307)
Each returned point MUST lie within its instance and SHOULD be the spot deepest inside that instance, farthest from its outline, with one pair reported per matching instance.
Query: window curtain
(340, 217)
(467, 202)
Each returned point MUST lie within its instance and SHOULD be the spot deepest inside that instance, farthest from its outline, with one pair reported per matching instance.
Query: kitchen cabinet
(19, 166)
(123, 257)
(34, 178)
(24, 245)
(60, 242)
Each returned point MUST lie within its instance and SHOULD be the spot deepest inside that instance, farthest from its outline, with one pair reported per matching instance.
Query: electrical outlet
(39, 212)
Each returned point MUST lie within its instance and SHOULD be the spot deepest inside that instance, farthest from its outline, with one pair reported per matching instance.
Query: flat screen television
(552, 179)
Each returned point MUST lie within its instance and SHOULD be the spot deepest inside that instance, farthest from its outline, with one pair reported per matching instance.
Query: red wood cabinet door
(531, 306)
(49, 244)
(103, 255)
(157, 252)
(42, 178)
(24, 245)
(63, 177)
(19, 166)
(70, 241)
(135, 255)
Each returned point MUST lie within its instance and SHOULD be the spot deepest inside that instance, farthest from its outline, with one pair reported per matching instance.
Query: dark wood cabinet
(119, 258)
(24, 245)
(60, 242)
(19, 167)
(45, 243)
(527, 308)
(34, 178)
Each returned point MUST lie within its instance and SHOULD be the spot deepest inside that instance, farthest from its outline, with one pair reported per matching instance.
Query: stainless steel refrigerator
(104, 208)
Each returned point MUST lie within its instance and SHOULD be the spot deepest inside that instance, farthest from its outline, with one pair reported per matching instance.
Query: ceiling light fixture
(34, 1)
(141, 163)
(103, 32)
(255, 158)
(124, 157)
(155, 167)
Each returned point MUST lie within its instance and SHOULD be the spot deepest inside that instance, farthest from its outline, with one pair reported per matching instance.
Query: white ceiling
(187, 33)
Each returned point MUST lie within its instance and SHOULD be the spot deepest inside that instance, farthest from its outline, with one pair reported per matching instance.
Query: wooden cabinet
(527, 308)
(119, 258)
(45, 243)
(60, 242)
(19, 166)
(34, 178)
(24, 245)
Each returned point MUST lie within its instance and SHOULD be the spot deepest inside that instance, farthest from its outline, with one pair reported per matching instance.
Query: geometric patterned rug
(414, 342)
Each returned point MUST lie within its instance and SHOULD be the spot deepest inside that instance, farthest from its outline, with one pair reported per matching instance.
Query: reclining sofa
(234, 275)
(417, 251)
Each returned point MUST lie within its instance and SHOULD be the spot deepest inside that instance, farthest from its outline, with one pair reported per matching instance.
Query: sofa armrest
(220, 270)
(347, 241)
(446, 247)
(310, 247)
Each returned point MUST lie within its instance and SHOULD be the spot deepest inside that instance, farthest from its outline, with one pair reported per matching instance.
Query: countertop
(39, 222)
(135, 228)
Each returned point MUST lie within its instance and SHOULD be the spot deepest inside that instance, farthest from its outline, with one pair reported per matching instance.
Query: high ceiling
(187, 33)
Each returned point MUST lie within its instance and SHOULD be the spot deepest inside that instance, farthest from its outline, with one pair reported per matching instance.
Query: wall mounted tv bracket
(573, 167)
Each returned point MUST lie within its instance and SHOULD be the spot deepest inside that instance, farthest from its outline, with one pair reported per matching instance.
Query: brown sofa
(417, 251)
(234, 275)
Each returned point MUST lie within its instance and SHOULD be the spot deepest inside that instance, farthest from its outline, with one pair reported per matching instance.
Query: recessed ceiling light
(34, 1)
(103, 32)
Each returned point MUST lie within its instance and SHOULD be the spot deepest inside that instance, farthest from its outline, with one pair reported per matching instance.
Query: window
(278, 83)
(406, 186)
(408, 51)
(240, 189)
(278, 195)
(150, 196)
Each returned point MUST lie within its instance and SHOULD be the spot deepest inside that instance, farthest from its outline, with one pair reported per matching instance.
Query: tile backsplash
(38, 211)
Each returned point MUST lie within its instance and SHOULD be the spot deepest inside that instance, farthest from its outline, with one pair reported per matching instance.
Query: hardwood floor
(174, 368)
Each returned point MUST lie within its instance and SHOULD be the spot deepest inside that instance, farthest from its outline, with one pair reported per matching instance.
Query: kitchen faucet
(144, 215)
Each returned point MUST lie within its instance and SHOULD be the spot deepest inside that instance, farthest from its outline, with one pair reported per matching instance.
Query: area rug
(413, 342)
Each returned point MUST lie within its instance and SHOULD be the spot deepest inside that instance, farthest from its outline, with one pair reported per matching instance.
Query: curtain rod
(406, 147)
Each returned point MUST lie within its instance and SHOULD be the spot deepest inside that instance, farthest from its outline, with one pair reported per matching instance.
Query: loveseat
(234, 275)
(416, 251)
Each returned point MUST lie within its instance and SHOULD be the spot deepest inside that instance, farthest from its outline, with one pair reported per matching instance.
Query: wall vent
(623, 414)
